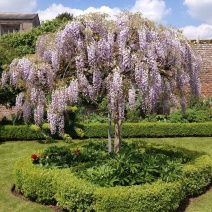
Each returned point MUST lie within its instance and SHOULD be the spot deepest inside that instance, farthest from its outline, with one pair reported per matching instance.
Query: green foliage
(103, 105)
(191, 115)
(95, 118)
(177, 117)
(80, 133)
(197, 175)
(21, 132)
(197, 111)
(63, 157)
(194, 115)
(45, 126)
(60, 157)
(27, 132)
(7, 94)
(74, 194)
(21, 44)
(35, 183)
(35, 128)
(132, 167)
(45, 131)
(155, 198)
(99, 130)
(62, 187)
(133, 116)
(67, 138)
(53, 185)
(67, 16)
(71, 115)
(151, 130)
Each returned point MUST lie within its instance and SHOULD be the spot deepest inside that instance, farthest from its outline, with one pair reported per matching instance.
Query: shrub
(35, 182)
(74, 194)
(139, 130)
(35, 128)
(79, 132)
(99, 130)
(22, 132)
(52, 185)
(133, 167)
(197, 175)
(95, 118)
(191, 115)
(67, 138)
(54, 156)
(156, 197)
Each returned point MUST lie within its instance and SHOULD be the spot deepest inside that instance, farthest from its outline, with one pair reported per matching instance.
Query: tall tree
(123, 58)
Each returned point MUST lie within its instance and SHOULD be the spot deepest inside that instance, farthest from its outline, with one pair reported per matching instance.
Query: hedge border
(130, 130)
(155, 129)
(19, 132)
(74, 194)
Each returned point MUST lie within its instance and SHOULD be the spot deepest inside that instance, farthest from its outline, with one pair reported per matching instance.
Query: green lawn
(11, 151)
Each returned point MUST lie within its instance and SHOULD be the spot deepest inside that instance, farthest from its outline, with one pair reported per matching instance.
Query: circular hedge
(61, 187)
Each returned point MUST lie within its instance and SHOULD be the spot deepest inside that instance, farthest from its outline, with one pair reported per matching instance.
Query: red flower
(34, 157)
(76, 152)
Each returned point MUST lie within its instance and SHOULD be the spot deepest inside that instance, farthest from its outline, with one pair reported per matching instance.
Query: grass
(11, 151)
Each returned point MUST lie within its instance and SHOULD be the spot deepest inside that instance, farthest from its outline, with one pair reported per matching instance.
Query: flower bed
(70, 192)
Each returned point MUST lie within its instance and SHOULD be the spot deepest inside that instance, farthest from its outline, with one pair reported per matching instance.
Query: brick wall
(204, 48)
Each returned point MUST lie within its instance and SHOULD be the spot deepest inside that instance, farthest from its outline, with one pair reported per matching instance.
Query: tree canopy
(125, 58)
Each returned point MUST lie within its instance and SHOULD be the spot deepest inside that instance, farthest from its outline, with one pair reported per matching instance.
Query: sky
(193, 17)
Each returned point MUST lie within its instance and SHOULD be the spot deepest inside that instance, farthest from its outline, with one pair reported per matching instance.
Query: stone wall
(6, 113)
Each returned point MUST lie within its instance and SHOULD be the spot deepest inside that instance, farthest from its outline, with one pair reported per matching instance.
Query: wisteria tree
(125, 58)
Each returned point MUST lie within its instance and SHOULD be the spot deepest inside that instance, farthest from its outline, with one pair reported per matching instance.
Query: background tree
(125, 58)
(67, 16)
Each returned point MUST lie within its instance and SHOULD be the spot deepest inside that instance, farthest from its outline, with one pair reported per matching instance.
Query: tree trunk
(118, 134)
(109, 134)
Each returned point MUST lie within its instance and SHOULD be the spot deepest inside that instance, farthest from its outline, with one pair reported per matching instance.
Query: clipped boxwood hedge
(130, 130)
(74, 194)
(156, 130)
(19, 132)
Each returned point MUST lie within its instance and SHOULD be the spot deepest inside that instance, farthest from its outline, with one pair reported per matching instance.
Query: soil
(182, 207)
(18, 194)
(190, 200)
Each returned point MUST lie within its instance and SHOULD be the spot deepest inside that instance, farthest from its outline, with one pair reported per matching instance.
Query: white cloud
(154, 10)
(17, 5)
(56, 9)
(200, 9)
(202, 32)
(104, 9)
